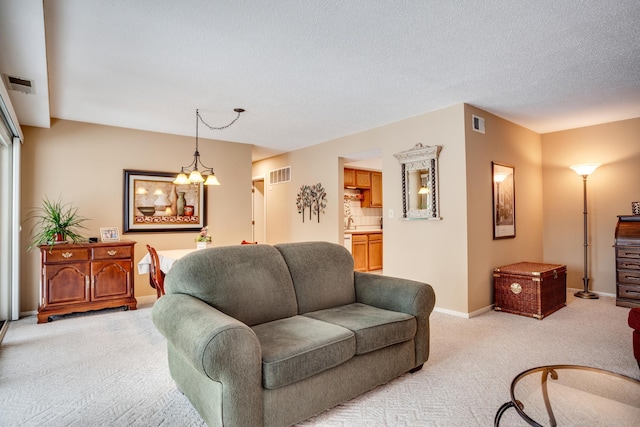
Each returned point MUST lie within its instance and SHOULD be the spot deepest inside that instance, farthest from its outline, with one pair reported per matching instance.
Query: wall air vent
(477, 123)
(20, 84)
(278, 176)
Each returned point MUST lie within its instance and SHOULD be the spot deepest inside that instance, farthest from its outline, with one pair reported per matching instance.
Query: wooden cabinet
(358, 178)
(363, 179)
(627, 247)
(359, 251)
(376, 189)
(369, 182)
(349, 178)
(366, 249)
(375, 251)
(84, 277)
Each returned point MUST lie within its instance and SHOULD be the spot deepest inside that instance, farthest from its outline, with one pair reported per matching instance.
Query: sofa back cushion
(322, 274)
(248, 282)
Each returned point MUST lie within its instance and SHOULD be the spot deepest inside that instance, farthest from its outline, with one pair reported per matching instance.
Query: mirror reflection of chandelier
(196, 172)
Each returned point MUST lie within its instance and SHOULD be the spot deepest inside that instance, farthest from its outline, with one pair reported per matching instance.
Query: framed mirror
(419, 167)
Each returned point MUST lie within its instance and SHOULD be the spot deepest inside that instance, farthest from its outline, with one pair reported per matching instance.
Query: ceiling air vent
(20, 84)
(278, 176)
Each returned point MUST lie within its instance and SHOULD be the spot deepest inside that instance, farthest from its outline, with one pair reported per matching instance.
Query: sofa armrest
(207, 337)
(218, 346)
(402, 295)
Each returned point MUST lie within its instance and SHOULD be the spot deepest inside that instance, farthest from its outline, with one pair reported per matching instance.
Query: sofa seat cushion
(373, 327)
(298, 347)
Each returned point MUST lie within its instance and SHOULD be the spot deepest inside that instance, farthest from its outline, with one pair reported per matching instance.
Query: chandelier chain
(221, 127)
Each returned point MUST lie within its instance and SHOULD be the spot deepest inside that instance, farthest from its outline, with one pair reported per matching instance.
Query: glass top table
(570, 395)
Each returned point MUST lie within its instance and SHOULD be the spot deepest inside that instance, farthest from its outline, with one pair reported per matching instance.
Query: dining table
(167, 259)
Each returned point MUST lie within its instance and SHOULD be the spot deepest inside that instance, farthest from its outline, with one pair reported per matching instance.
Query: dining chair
(156, 276)
(244, 242)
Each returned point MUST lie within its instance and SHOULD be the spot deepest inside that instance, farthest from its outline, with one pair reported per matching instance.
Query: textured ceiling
(311, 71)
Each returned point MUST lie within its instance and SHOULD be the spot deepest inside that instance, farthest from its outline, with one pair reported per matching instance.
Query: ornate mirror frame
(420, 173)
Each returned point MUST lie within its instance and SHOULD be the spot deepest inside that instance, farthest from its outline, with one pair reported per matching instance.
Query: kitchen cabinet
(84, 277)
(376, 190)
(366, 249)
(359, 251)
(374, 249)
(349, 178)
(363, 179)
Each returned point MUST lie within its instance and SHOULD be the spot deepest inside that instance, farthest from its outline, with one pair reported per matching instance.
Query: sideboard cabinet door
(66, 283)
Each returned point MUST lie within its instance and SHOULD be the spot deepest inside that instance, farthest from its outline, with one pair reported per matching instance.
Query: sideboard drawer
(627, 264)
(627, 276)
(113, 252)
(631, 292)
(627, 252)
(65, 254)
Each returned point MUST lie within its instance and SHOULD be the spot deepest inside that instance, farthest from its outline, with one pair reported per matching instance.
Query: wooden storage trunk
(530, 288)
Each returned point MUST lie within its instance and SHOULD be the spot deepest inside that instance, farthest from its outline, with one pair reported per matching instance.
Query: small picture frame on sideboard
(109, 234)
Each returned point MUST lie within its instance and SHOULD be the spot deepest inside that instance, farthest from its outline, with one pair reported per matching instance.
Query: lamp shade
(212, 180)
(585, 168)
(181, 179)
(423, 190)
(195, 176)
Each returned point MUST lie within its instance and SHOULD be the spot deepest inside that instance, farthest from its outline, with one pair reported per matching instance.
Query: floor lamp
(585, 170)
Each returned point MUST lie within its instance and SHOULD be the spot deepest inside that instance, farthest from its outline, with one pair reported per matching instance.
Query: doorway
(259, 211)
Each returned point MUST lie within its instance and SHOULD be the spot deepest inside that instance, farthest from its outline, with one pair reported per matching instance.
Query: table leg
(503, 408)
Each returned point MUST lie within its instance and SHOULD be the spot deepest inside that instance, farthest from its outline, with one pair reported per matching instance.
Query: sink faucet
(349, 222)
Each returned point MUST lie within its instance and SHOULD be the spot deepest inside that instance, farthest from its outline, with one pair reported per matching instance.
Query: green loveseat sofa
(262, 335)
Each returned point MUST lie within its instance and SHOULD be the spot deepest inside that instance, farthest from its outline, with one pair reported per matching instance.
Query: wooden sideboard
(85, 277)
(627, 247)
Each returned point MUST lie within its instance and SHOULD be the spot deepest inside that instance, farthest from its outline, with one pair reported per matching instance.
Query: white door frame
(258, 216)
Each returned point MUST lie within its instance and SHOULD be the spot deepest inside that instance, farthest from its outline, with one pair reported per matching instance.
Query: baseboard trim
(464, 315)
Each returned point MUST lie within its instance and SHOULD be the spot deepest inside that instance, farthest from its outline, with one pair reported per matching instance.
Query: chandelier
(196, 172)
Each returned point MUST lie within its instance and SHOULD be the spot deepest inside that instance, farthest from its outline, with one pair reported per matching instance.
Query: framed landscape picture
(152, 202)
(504, 201)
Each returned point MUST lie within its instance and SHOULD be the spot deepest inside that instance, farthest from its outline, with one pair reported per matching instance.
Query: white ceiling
(311, 71)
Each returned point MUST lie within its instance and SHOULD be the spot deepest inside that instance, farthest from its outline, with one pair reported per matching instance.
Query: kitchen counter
(363, 231)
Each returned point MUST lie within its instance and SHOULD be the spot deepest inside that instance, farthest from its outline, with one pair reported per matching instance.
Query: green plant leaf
(55, 218)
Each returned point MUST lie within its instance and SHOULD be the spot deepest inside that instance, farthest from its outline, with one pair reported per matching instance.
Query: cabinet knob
(67, 254)
(112, 252)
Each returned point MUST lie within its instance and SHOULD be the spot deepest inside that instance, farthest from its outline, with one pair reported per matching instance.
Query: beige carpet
(110, 369)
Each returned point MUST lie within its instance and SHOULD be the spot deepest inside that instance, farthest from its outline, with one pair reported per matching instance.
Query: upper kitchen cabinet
(376, 189)
(357, 178)
(349, 177)
(363, 179)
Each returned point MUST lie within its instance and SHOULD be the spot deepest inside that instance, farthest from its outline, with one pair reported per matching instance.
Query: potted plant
(55, 221)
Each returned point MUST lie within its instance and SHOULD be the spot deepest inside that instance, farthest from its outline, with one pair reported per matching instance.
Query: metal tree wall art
(313, 197)
(303, 201)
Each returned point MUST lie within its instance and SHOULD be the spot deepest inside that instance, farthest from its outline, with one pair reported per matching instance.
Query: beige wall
(455, 255)
(507, 143)
(611, 189)
(83, 163)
